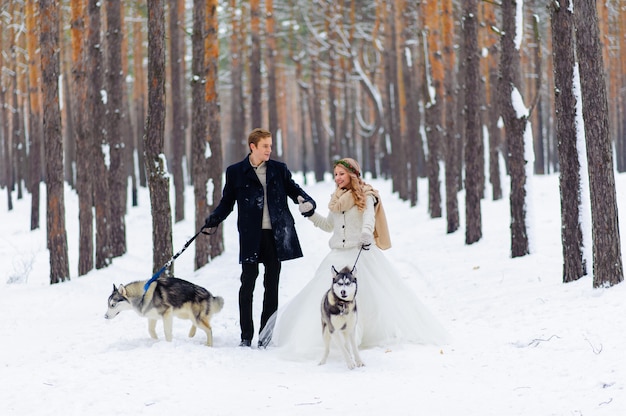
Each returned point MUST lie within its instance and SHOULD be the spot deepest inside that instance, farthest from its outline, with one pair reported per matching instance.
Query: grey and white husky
(166, 298)
(339, 316)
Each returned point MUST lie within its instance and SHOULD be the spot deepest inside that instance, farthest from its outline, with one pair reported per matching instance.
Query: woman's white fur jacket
(347, 226)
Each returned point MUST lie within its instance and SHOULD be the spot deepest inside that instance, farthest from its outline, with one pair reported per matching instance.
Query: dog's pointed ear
(122, 290)
(114, 288)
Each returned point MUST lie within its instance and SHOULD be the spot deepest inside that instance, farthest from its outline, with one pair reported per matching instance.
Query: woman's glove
(366, 240)
(306, 206)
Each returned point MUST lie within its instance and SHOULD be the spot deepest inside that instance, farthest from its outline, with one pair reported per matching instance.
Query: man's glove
(366, 241)
(210, 222)
(306, 206)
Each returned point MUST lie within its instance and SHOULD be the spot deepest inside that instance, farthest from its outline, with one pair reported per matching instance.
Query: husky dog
(165, 298)
(339, 317)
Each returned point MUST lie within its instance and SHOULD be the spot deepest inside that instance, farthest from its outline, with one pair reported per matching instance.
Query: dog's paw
(360, 364)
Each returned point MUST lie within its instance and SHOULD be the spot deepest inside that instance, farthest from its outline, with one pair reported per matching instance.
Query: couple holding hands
(389, 312)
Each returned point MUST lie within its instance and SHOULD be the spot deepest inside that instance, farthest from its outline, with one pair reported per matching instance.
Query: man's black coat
(243, 186)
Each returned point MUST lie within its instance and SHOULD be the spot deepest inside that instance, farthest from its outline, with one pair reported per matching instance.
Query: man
(267, 234)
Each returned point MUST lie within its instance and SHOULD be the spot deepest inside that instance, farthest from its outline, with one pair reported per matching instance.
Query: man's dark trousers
(249, 273)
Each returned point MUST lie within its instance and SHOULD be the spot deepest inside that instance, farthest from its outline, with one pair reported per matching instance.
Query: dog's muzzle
(108, 316)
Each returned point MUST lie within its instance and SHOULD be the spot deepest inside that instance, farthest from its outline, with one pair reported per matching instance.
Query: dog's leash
(357, 258)
(170, 261)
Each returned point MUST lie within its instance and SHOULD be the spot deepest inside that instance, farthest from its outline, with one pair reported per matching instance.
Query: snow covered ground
(524, 343)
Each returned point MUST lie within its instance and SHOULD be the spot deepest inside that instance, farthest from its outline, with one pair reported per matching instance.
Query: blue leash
(170, 261)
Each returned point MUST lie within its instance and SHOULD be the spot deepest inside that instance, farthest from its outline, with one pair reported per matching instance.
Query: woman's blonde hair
(356, 182)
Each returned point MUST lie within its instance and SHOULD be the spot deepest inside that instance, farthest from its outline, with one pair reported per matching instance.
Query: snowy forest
(107, 96)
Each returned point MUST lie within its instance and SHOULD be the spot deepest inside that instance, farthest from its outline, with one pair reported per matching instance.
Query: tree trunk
(17, 129)
(117, 171)
(569, 178)
(7, 160)
(158, 177)
(410, 76)
(35, 136)
(390, 96)
(256, 81)
(620, 142)
(84, 177)
(214, 137)
(515, 126)
(68, 121)
(199, 127)
(317, 125)
(334, 146)
(473, 131)
(128, 133)
(235, 146)
(607, 257)
(451, 136)
(272, 89)
(400, 101)
(303, 98)
(57, 237)
(433, 109)
(178, 114)
(96, 119)
(69, 131)
(540, 142)
(490, 75)
(139, 100)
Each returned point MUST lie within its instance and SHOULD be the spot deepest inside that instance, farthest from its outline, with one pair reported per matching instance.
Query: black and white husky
(339, 316)
(166, 298)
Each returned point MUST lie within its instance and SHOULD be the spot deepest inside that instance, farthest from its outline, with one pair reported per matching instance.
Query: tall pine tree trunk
(272, 89)
(139, 100)
(4, 114)
(235, 146)
(400, 151)
(57, 237)
(412, 114)
(569, 178)
(215, 138)
(84, 176)
(451, 136)
(317, 124)
(607, 256)
(158, 177)
(490, 75)
(256, 80)
(178, 114)
(515, 125)
(35, 136)
(117, 172)
(96, 121)
(17, 129)
(473, 131)
(199, 127)
(433, 82)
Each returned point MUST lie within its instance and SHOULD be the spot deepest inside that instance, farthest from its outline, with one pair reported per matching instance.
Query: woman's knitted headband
(347, 165)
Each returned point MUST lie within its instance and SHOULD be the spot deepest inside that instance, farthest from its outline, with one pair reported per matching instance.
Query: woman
(388, 311)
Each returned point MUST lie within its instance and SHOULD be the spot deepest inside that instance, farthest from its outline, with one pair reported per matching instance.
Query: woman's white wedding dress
(389, 312)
